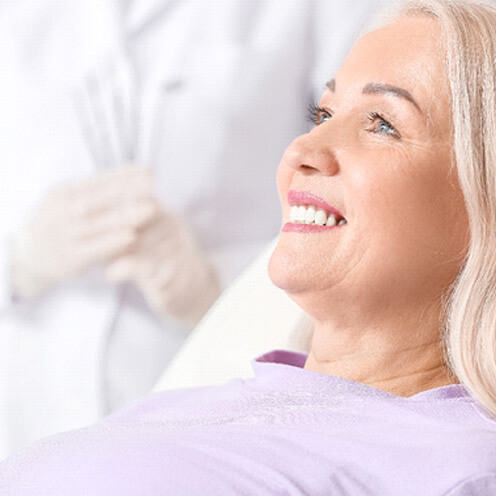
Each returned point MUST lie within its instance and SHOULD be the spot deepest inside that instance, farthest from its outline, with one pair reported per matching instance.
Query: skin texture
(375, 287)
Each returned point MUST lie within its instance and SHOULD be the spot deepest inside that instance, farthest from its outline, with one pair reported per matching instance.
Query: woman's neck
(402, 361)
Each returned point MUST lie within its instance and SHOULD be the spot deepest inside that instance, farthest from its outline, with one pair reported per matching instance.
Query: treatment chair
(250, 318)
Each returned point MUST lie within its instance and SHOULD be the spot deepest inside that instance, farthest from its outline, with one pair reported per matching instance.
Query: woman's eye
(382, 126)
(318, 115)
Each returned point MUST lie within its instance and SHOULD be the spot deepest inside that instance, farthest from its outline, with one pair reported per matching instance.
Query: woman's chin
(284, 270)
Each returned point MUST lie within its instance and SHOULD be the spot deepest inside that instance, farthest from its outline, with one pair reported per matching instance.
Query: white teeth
(293, 213)
(310, 216)
(302, 214)
(320, 218)
(331, 221)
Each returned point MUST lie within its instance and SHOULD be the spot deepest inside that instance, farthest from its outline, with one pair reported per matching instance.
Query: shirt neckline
(286, 367)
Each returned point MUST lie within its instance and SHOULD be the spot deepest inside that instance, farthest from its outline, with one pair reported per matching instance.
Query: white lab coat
(221, 88)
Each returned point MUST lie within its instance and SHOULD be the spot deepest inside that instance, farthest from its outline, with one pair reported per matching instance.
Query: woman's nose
(310, 154)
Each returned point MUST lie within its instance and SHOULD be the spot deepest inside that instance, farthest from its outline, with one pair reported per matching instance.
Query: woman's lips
(304, 198)
(305, 228)
(309, 213)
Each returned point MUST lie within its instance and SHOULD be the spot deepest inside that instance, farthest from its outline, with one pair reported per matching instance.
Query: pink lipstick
(309, 213)
(304, 198)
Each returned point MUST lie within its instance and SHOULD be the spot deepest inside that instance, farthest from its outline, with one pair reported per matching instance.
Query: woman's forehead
(405, 56)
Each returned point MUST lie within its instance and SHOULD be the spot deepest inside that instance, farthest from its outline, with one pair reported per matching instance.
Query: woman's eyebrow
(386, 89)
(331, 85)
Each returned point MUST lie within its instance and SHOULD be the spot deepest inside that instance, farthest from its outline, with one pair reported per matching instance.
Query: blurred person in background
(138, 143)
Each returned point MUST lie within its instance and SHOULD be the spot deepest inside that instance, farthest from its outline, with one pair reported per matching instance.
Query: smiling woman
(380, 155)
(388, 243)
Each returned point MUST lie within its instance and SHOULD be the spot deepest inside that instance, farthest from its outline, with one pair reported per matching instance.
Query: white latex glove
(170, 269)
(79, 225)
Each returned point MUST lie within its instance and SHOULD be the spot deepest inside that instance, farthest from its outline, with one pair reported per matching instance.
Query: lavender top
(287, 431)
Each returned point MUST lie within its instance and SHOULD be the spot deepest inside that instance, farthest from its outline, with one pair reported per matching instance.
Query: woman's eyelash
(316, 112)
(374, 116)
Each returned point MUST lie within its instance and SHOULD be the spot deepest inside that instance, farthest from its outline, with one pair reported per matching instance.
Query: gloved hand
(170, 269)
(79, 225)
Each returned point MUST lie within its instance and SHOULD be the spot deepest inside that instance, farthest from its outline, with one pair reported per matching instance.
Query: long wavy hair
(469, 40)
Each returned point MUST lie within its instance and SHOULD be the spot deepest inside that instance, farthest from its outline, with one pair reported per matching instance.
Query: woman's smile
(309, 213)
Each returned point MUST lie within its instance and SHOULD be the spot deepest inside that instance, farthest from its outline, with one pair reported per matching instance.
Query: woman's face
(379, 155)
